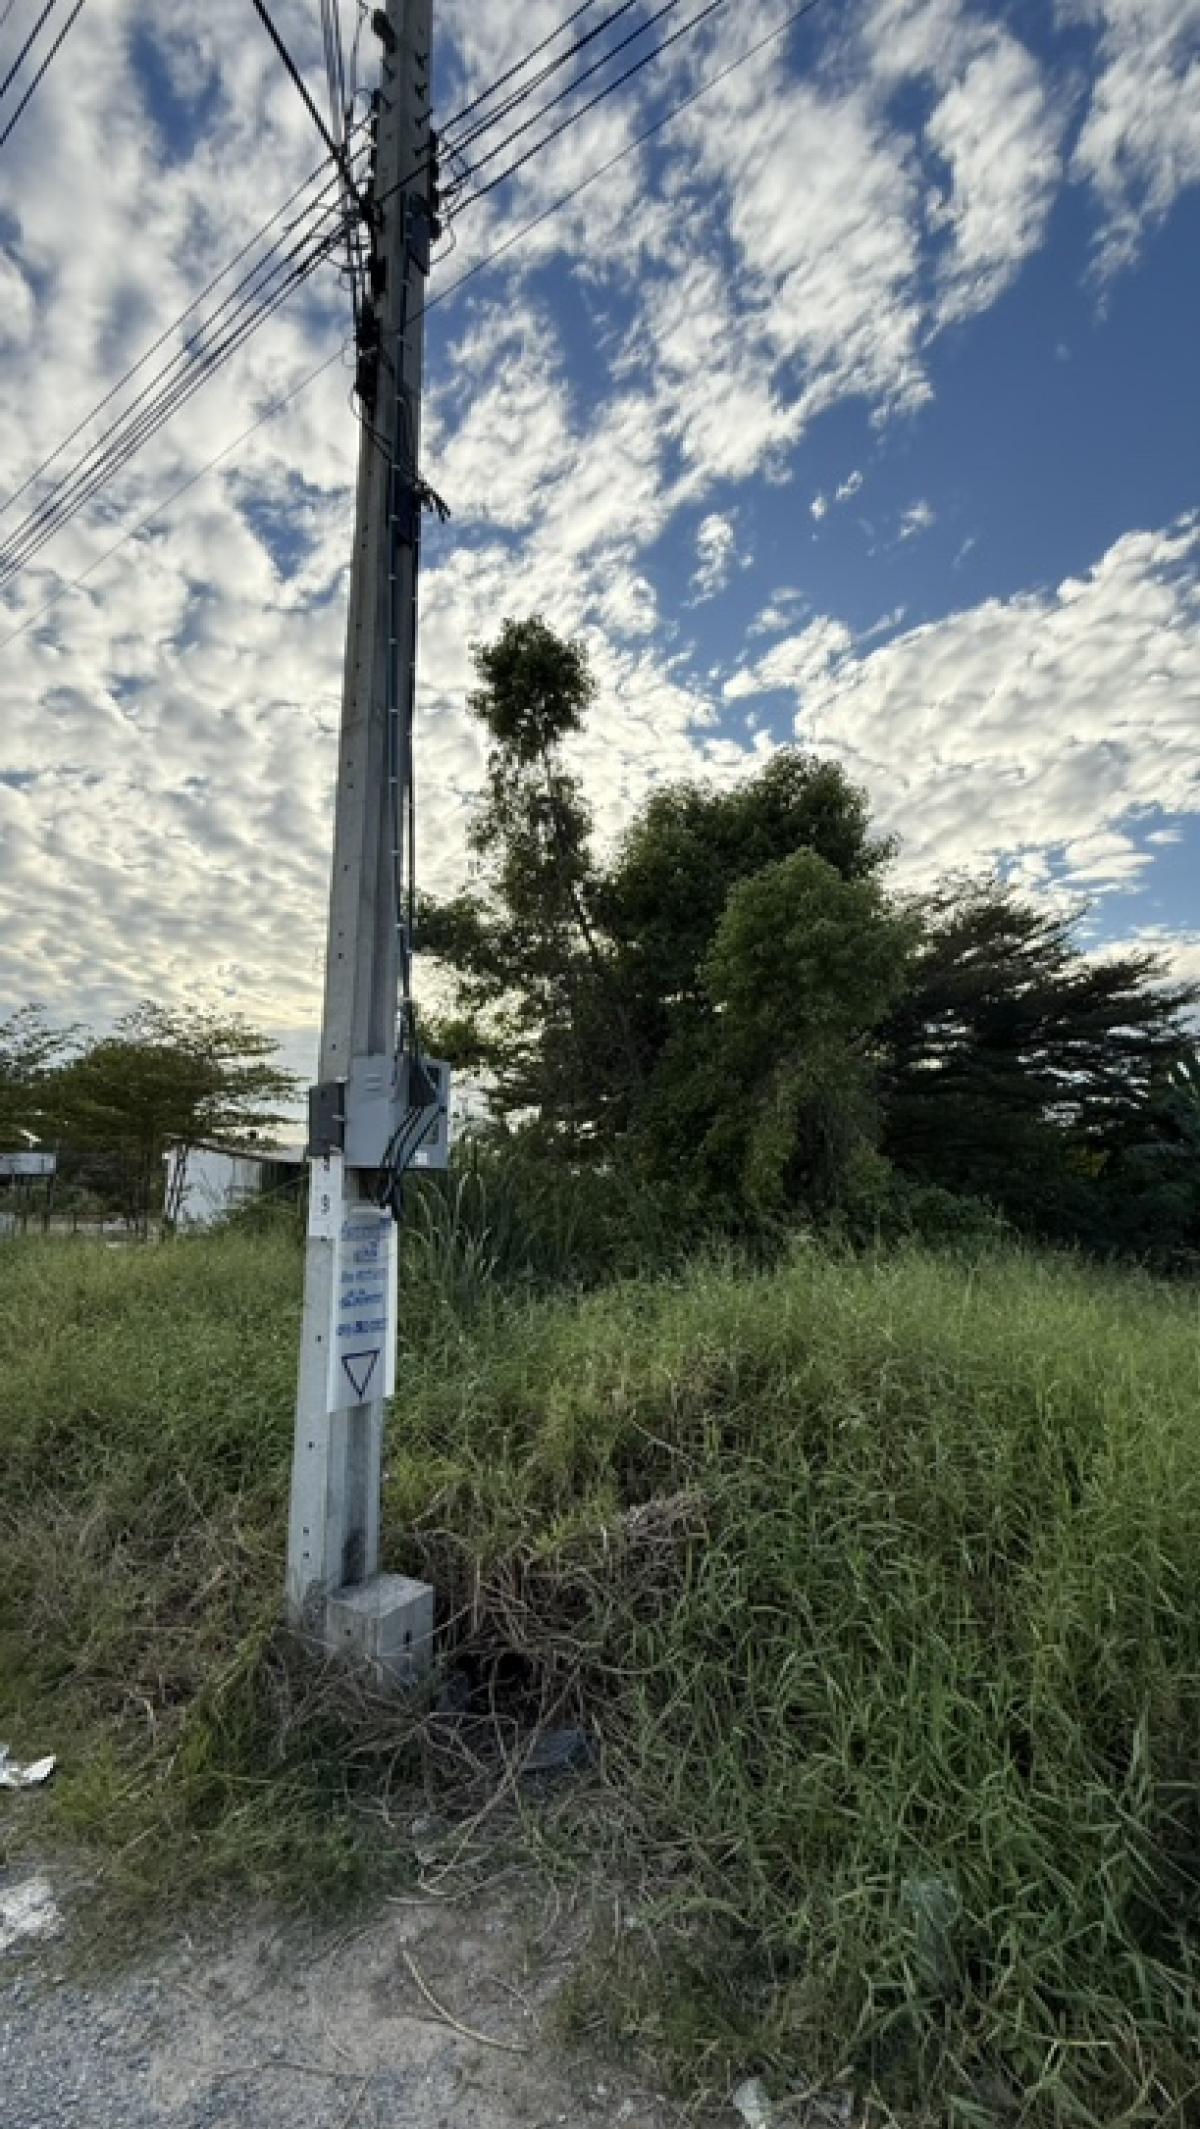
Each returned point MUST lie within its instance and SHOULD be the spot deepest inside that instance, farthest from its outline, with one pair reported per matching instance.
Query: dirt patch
(429, 2015)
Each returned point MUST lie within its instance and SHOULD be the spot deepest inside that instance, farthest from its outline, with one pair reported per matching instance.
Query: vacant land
(873, 1582)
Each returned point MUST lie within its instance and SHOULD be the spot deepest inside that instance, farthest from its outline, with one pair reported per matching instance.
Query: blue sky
(858, 407)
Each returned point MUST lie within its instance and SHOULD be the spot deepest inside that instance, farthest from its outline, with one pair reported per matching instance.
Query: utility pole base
(384, 1626)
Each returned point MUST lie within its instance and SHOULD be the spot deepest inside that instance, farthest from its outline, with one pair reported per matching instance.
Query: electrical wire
(279, 405)
(265, 17)
(337, 148)
(31, 91)
(484, 96)
(219, 335)
(30, 41)
(544, 74)
(454, 148)
(359, 26)
(168, 333)
(139, 425)
(258, 295)
(574, 117)
(335, 74)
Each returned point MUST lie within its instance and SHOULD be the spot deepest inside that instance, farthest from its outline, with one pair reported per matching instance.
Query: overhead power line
(26, 48)
(284, 267)
(31, 91)
(335, 67)
(573, 117)
(168, 333)
(486, 95)
(286, 399)
(597, 66)
(463, 141)
(265, 17)
(269, 282)
(114, 449)
(201, 356)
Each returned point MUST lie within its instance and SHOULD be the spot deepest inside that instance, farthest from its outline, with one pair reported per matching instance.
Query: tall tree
(587, 992)
(771, 1097)
(539, 995)
(1149, 1186)
(1018, 1065)
(689, 850)
(734, 1002)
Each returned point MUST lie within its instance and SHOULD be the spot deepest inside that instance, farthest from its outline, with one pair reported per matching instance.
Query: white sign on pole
(362, 1358)
(326, 1196)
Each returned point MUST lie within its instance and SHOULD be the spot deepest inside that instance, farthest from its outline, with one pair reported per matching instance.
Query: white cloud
(781, 613)
(997, 132)
(796, 662)
(994, 136)
(1140, 141)
(167, 748)
(1022, 725)
(1102, 859)
(918, 518)
(845, 491)
(716, 551)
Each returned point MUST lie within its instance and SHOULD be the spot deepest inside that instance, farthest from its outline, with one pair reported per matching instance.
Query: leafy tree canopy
(31, 1050)
(1019, 1067)
(168, 1077)
(734, 1001)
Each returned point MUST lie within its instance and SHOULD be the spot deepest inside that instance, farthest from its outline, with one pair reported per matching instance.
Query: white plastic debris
(14, 1776)
(753, 2104)
(27, 1912)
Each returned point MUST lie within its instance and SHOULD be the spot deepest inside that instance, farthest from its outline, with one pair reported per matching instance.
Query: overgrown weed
(873, 1578)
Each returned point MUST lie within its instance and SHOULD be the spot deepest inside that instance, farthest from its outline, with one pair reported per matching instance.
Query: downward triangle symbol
(360, 1367)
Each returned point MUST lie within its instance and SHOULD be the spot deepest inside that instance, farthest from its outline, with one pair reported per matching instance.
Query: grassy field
(877, 1580)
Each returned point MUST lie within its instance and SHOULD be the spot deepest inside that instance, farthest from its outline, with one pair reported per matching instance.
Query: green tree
(689, 850)
(539, 1002)
(775, 1100)
(1020, 1068)
(1150, 1185)
(31, 1052)
(732, 1003)
(599, 999)
(168, 1078)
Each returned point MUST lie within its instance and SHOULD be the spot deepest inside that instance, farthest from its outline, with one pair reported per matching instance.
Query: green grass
(878, 1580)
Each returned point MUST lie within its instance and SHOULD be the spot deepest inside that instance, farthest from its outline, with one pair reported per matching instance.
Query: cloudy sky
(857, 406)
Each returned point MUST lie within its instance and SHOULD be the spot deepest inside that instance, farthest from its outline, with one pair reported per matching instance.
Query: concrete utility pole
(335, 1593)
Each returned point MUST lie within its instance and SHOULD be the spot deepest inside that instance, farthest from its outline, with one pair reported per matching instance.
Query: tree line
(110, 1106)
(734, 1015)
(739, 1010)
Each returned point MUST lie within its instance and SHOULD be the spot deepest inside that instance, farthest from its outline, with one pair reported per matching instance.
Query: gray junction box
(372, 1116)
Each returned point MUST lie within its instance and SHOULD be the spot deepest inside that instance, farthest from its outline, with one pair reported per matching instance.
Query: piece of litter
(27, 1911)
(753, 2104)
(14, 1776)
(559, 1752)
(933, 1909)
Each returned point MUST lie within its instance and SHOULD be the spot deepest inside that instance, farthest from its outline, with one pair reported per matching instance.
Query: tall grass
(875, 1579)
